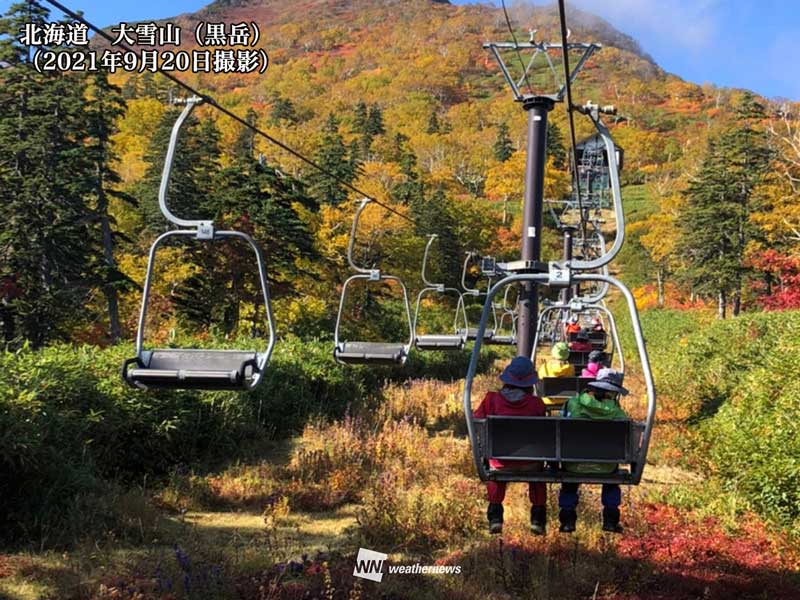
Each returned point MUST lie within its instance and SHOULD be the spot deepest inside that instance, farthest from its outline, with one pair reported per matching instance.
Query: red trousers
(537, 492)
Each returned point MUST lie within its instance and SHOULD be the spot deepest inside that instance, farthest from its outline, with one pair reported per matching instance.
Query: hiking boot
(567, 518)
(538, 519)
(495, 515)
(611, 520)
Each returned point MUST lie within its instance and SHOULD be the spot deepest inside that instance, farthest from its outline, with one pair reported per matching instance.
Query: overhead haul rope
(568, 86)
(211, 101)
(516, 47)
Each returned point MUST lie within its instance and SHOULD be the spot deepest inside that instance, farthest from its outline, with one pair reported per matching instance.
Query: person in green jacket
(599, 401)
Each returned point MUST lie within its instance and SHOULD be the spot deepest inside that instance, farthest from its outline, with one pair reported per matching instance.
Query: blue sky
(739, 43)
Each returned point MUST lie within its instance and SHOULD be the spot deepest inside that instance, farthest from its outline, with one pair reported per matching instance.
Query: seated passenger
(581, 343)
(557, 366)
(515, 398)
(597, 325)
(597, 360)
(573, 326)
(599, 401)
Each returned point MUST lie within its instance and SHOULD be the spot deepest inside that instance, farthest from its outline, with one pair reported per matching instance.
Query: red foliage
(785, 272)
(691, 557)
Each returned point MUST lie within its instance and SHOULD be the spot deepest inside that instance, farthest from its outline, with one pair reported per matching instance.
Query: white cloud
(692, 25)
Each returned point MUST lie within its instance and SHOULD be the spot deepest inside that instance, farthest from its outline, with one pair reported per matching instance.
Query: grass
(398, 478)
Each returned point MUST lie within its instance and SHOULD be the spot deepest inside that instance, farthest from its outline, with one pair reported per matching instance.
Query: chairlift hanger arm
(167, 171)
(375, 273)
(428, 283)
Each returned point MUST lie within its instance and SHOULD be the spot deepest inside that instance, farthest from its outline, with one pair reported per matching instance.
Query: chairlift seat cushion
(193, 369)
(562, 387)
(502, 340)
(371, 353)
(472, 334)
(439, 342)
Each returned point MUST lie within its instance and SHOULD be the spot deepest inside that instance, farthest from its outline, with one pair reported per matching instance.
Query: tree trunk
(722, 304)
(737, 302)
(660, 286)
(109, 291)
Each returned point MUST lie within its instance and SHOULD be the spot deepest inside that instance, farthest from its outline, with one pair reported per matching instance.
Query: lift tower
(538, 105)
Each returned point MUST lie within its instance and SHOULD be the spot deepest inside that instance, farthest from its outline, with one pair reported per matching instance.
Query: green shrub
(737, 379)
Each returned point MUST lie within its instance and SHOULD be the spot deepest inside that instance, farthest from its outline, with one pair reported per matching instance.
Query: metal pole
(538, 107)
(567, 293)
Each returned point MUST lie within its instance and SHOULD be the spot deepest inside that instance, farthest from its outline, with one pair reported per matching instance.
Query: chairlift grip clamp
(559, 275)
(205, 230)
(374, 275)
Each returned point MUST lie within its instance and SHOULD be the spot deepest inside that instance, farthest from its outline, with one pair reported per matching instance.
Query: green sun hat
(560, 351)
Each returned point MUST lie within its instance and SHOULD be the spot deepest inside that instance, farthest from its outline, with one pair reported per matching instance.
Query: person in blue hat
(515, 398)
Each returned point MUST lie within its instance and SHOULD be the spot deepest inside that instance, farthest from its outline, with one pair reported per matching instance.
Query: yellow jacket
(555, 368)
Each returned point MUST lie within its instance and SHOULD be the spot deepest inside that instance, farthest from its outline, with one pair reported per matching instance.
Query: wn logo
(369, 565)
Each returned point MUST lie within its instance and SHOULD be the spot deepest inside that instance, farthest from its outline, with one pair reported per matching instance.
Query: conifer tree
(503, 148)
(45, 177)
(410, 189)
(104, 106)
(374, 125)
(555, 146)
(360, 118)
(716, 225)
(433, 123)
(282, 110)
(333, 156)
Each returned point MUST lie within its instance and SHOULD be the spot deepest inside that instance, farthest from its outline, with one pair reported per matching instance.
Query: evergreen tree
(148, 87)
(503, 148)
(257, 199)
(410, 189)
(374, 125)
(555, 146)
(432, 215)
(333, 156)
(245, 145)
(716, 226)
(433, 123)
(105, 105)
(282, 110)
(130, 89)
(45, 178)
(360, 118)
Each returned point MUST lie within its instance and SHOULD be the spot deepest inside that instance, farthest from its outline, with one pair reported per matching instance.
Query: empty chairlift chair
(501, 336)
(438, 341)
(368, 352)
(204, 369)
(469, 332)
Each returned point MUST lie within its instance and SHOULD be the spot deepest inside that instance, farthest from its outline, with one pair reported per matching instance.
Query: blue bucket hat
(519, 373)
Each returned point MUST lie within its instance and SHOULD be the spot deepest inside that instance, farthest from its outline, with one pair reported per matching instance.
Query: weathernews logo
(369, 565)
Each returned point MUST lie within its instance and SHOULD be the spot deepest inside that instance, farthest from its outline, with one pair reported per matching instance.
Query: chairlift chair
(556, 440)
(363, 352)
(578, 306)
(470, 332)
(507, 312)
(428, 341)
(202, 369)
